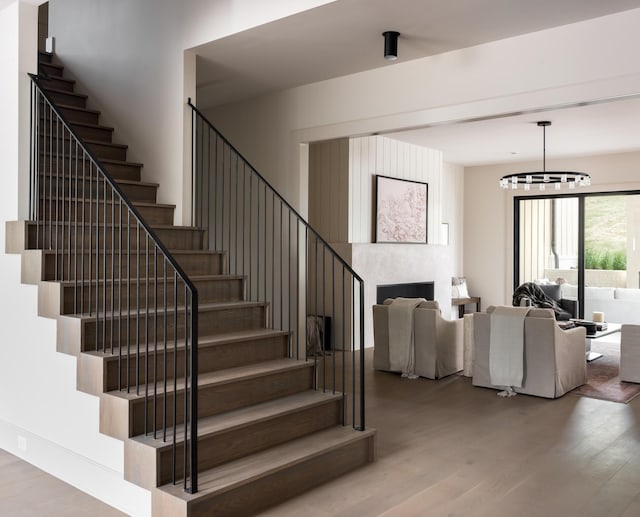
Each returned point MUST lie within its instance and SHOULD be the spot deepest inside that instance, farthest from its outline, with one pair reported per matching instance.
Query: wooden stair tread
(92, 126)
(147, 204)
(108, 225)
(216, 378)
(121, 162)
(76, 108)
(103, 143)
(102, 281)
(85, 178)
(54, 65)
(201, 253)
(203, 342)
(261, 464)
(202, 307)
(58, 77)
(65, 92)
(242, 417)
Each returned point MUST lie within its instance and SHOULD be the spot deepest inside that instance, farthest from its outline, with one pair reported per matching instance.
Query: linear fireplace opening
(411, 290)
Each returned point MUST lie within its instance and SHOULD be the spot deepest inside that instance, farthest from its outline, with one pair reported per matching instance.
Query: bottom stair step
(255, 482)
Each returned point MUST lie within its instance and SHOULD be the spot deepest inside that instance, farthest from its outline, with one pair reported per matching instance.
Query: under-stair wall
(44, 419)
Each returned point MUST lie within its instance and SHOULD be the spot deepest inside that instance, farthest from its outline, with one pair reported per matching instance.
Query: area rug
(603, 381)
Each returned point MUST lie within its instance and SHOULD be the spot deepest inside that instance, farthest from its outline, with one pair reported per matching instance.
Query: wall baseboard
(101, 482)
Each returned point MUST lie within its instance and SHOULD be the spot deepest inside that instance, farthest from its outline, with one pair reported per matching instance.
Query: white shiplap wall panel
(380, 155)
(342, 184)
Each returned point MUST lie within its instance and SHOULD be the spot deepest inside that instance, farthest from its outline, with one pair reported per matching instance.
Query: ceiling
(345, 37)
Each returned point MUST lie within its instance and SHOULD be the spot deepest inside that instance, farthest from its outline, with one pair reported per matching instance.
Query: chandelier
(542, 179)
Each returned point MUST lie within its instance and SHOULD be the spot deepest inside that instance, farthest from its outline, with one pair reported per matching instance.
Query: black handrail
(62, 164)
(248, 219)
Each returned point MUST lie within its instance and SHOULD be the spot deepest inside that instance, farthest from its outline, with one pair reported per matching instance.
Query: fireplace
(412, 290)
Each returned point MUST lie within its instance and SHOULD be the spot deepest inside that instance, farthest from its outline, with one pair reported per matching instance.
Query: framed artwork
(401, 210)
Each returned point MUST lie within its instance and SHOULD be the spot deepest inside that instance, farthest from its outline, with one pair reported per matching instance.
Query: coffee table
(612, 328)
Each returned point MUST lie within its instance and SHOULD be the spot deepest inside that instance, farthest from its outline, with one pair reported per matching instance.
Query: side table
(462, 302)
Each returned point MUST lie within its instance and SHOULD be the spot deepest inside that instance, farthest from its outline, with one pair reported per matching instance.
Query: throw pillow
(459, 287)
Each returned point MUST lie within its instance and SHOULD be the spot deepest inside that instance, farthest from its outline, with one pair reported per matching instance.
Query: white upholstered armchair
(554, 359)
(438, 342)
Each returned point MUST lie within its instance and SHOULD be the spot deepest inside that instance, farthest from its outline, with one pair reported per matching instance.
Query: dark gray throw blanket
(538, 298)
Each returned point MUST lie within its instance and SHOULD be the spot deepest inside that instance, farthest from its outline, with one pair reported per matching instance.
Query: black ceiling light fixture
(544, 177)
(391, 45)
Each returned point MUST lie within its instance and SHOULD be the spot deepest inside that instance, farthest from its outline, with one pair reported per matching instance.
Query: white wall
(453, 213)
(488, 215)
(130, 58)
(533, 71)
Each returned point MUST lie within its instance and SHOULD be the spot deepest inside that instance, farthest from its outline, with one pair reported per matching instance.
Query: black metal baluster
(80, 202)
(137, 357)
(362, 410)
(344, 348)
(175, 373)
(164, 351)
(113, 279)
(155, 339)
(90, 242)
(97, 289)
(104, 264)
(129, 280)
(146, 335)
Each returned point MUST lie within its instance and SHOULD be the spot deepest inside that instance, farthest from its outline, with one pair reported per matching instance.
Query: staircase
(257, 430)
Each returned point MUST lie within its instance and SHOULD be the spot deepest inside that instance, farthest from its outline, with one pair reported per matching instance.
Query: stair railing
(135, 301)
(311, 292)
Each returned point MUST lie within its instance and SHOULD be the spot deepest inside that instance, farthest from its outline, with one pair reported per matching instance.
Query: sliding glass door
(587, 244)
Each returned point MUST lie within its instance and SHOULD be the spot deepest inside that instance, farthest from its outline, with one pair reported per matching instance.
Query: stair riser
(68, 98)
(51, 70)
(256, 437)
(263, 492)
(45, 57)
(197, 264)
(75, 300)
(94, 133)
(57, 83)
(73, 211)
(60, 146)
(218, 399)
(103, 150)
(210, 358)
(78, 115)
(66, 238)
(88, 188)
(50, 165)
(209, 323)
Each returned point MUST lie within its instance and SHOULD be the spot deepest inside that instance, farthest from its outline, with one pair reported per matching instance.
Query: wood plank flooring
(445, 448)
(26, 491)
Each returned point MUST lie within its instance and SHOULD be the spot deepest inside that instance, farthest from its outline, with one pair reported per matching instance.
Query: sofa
(619, 304)
(438, 342)
(554, 359)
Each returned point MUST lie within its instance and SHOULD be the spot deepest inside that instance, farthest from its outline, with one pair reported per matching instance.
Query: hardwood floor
(26, 491)
(445, 448)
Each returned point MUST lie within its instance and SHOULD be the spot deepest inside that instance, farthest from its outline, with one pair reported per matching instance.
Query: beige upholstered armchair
(554, 359)
(630, 353)
(438, 342)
